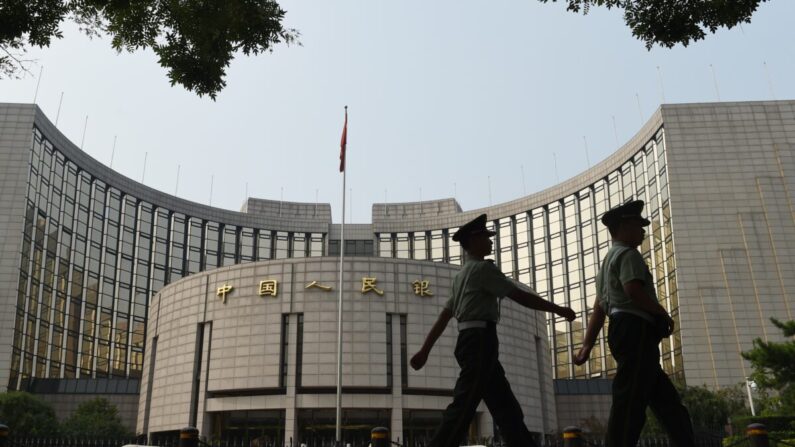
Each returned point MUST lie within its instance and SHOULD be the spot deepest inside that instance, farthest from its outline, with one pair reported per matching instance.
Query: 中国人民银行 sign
(270, 287)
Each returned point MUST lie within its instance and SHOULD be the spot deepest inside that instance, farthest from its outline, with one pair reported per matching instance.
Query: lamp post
(748, 383)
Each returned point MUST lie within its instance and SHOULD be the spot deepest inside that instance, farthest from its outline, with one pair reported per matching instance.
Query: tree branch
(20, 63)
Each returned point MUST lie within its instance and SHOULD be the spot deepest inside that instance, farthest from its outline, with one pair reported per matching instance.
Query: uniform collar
(473, 261)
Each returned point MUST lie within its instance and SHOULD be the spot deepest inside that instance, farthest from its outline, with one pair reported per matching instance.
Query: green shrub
(772, 423)
(26, 414)
(95, 418)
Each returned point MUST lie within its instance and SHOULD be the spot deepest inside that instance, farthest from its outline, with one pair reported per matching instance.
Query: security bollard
(3, 435)
(189, 437)
(572, 437)
(757, 435)
(379, 437)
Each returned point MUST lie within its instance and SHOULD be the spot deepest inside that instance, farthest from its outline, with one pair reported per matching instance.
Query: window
(230, 245)
(453, 248)
(627, 181)
(402, 247)
(161, 240)
(420, 246)
(385, 245)
(194, 263)
(179, 234)
(614, 188)
(211, 245)
(355, 247)
(282, 245)
(506, 246)
(316, 244)
(299, 245)
(437, 246)
(247, 244)
(264, 245)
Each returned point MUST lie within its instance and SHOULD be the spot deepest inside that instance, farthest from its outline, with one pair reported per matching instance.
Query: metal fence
(549, 441)
(70, 442)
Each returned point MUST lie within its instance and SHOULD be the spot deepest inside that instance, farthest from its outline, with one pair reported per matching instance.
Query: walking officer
(625, 293)
(474, 303)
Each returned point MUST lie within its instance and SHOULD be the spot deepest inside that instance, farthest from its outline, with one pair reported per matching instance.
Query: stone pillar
(290, 410)
(396, 421)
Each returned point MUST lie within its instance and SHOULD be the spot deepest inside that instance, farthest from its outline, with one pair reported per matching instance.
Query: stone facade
(732, 181)
(16, 122)
(264, 352)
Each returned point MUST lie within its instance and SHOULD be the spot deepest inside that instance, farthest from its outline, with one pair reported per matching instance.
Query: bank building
(184, 314)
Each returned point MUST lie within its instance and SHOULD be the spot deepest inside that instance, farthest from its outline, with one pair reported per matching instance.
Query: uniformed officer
(625, 293)
(474, 303)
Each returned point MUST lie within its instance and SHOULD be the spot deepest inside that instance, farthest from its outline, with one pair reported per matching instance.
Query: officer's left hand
(567, 313)
(418, 360)
(582, 355)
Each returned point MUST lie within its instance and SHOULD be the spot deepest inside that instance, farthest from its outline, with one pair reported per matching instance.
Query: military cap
(629, 210)
(471, 228)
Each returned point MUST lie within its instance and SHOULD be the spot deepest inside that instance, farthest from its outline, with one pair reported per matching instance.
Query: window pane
(420, 246)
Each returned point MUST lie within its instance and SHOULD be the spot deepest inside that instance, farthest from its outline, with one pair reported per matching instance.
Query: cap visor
(489, 232)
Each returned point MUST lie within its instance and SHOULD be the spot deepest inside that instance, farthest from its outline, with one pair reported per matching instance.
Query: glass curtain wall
(92, 256)
(556, 249)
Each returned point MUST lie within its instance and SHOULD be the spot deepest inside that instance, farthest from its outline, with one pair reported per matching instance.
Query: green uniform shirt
(621, 265)
(477, 300)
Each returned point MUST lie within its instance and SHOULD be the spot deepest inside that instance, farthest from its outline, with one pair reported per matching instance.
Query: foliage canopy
(709, 410)
(95, 418)
(671, 22)
(195, 40)
(26, 414)
(773, 368)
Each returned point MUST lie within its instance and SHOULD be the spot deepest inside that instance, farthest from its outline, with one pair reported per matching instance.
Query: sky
(484, 102)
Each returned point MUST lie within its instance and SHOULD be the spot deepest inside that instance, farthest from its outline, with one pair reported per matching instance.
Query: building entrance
(258, 428)
(317, 427)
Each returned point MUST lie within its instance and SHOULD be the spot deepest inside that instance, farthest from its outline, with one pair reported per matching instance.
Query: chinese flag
(344, 141)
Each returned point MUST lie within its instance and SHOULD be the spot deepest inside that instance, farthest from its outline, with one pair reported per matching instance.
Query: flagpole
(343, 157)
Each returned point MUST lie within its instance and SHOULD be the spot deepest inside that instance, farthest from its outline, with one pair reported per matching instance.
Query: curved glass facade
(557, 248)
(93, 253)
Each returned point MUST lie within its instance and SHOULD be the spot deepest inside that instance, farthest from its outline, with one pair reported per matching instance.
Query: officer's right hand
(419, 359)
(567, 313)
(671, 324)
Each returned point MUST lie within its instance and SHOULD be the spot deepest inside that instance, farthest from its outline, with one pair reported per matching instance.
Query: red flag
(344, 141)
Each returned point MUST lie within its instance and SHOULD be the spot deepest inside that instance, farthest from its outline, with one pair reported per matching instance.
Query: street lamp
(748, 384)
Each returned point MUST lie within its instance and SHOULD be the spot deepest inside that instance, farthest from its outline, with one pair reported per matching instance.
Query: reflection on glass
(90, 257)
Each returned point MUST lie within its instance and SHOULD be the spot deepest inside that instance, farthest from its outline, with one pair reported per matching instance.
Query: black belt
(475, 324)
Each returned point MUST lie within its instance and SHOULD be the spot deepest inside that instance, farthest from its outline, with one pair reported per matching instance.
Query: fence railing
(756, 436)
